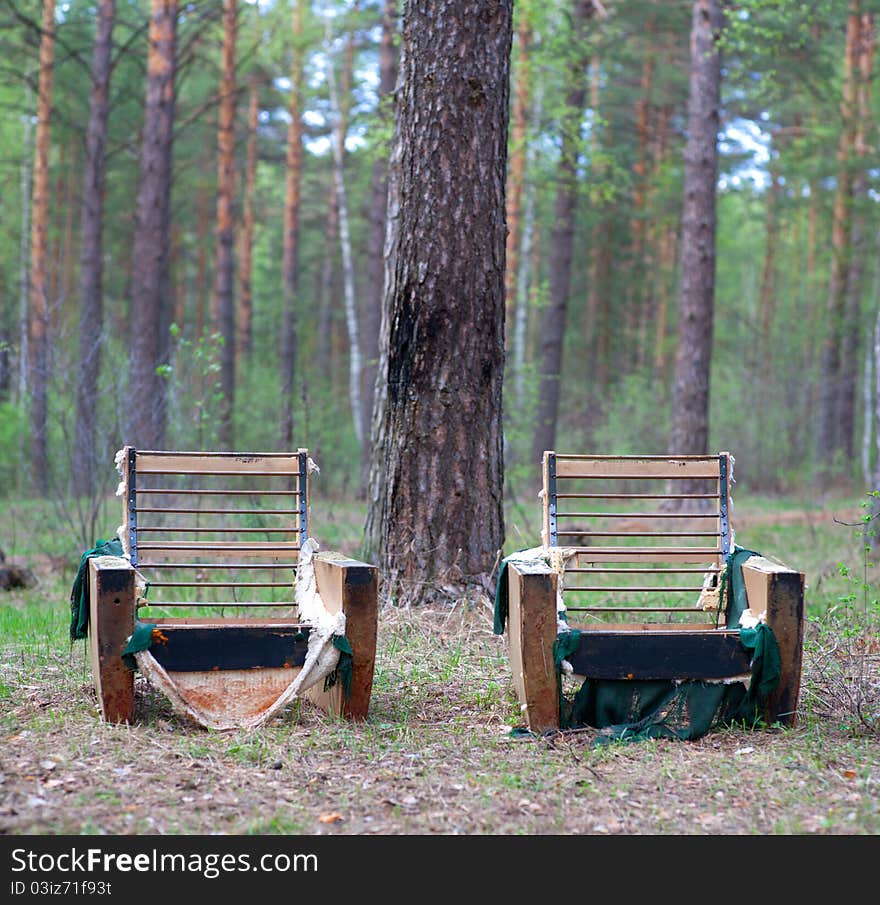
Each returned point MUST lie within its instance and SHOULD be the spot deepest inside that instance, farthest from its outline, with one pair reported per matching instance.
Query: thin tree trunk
(246, 241)
(867, 399)
(340, 117)
(375, 267)
(290, 255)
(38, 338)
(435, 521)
(27, 161)
(636, 308)
(202, 220)
(690, 391)
(829, 440)
(562, 244)
(872, 539)
(524, 266)
(91, 300)
(853, 319)
(150, 301)
(517, 163)
(223, 303)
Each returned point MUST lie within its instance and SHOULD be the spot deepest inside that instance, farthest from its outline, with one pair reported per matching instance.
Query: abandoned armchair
(261, 617)
(639, 615)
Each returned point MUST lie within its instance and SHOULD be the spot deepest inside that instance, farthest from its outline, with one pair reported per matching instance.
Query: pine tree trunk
(375, 265)
(562, 244)
(246, 242)
(690, 391)
(38, 325)
(851, 341)
(517, 163)
(150, 302)
(435, 521)
(27, 163)
(223, 303)
(829, 433)
(202, 221)
(290, 255)
(91, 301)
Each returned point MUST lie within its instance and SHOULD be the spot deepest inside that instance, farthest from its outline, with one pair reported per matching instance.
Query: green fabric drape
(79, 593)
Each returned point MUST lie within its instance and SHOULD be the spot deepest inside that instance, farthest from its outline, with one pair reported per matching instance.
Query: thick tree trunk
(223, 303)
(91, 302)
(829, 436)
(290, 254)
(38, 324)
(150, 301)
(690, 390)
(562, 244)
(375, 266)
(435, 520)
(246, 241)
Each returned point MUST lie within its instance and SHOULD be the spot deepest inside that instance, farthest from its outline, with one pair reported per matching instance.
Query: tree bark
(290, 254)
(91, 301)
(246, 241)
(150, 301)
(852, 326)
(562, 244)
(435, 520)
(517, 164)
(690, 390)
(340, 110)
(38, 324)
(375, 266)
(829, 438)
(223, 303)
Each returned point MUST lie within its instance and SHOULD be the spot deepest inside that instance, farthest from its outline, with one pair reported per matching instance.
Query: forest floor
(437, 755)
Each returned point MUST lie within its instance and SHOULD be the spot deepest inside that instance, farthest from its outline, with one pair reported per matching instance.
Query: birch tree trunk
(351, 318)
(91, 301)
(375, 266)
(435, 521)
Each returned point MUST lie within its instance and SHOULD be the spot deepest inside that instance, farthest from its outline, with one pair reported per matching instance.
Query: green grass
(436, 754)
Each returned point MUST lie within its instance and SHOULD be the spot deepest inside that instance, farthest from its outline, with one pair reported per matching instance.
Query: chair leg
(111, 622)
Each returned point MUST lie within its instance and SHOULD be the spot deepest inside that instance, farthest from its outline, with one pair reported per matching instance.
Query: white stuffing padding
(322, 657)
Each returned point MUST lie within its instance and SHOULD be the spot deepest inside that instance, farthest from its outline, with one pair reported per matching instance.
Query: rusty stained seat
(213, 542)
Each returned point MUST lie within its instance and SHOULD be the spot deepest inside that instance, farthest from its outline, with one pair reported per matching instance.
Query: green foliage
(13, 444)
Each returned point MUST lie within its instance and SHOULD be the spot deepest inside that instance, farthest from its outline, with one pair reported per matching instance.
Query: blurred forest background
(192, 218)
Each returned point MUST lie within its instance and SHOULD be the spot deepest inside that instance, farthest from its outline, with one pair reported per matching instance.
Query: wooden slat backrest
(646, 530)
(227, 526)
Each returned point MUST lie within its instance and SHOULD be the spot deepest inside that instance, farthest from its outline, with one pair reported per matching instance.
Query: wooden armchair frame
(613, 646)
(221, 656)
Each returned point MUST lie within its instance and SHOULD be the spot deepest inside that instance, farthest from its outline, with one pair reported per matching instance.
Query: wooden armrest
(111, 622)
(531, 626)
(777, 592)
(352, 586)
